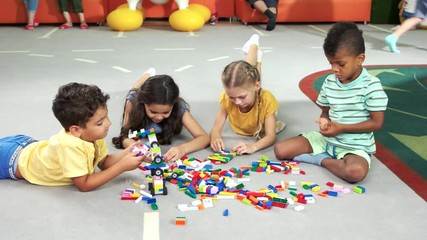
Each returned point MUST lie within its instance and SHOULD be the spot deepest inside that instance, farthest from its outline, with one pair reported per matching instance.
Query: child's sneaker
(280, 126)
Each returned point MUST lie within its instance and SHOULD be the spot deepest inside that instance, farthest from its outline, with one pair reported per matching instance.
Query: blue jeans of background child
(10, 147)
(32, 5)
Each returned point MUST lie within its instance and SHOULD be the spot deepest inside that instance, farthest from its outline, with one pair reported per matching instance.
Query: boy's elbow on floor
(84, 189)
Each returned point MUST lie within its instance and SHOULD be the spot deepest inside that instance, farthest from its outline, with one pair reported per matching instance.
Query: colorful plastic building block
(157, 186)
(359, 189)
(222, 157)
(154, 206)
(143, 149)
(225, 213)
(135, 135)
(180, 221)
(299, 208)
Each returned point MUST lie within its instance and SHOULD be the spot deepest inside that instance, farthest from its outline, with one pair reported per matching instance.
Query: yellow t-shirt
(55, 161)
(246, 123)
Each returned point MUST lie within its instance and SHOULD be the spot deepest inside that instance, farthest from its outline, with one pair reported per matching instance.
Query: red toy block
(330, 184)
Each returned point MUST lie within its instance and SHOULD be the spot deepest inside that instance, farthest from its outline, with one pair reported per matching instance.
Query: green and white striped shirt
(351, 103)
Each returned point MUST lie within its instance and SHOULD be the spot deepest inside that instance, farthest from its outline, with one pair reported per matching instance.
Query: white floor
(33, 64)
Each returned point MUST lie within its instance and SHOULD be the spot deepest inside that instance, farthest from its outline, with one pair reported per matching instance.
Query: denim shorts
(10, 147)
(406, 15)
(268, 3)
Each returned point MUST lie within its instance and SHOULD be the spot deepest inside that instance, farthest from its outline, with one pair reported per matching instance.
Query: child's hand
(331, 130)
(173, 154)
(323, 123)
(131, 161)
(133, 148)
(148, 159)
(243, 148)
(133, 145)
(217, 145)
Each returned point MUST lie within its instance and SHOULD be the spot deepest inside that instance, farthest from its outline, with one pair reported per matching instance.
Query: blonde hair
(241, 73)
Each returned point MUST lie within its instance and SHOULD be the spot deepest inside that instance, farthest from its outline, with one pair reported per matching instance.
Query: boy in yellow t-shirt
(71, 156)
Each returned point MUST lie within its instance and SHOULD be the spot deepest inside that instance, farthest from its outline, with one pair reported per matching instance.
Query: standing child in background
(418, 17)
(77, 8)
(71, 156)
(268, 8)
(251, 110)
(31, 6)
(154, 102)
(406, 10)
(353, 104)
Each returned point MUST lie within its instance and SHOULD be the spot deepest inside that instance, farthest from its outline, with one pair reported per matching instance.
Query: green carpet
(402, 142)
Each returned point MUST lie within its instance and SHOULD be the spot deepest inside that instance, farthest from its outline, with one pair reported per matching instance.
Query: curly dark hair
(75, 103)
(344, 35)
(158, 89)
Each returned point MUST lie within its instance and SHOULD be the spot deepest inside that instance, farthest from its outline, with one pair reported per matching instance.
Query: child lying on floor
(71, 156)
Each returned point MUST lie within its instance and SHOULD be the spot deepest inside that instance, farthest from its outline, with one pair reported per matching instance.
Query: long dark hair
(158, 89)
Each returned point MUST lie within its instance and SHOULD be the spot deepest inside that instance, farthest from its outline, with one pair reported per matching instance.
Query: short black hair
(344, 35)
(76, 103)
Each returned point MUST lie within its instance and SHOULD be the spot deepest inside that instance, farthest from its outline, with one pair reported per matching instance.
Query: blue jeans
(32, 5)
(10, 147)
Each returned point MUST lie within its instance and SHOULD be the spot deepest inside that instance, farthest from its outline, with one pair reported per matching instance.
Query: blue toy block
(225, 213)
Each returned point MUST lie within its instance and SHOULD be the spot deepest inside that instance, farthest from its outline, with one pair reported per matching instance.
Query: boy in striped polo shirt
(353, 104)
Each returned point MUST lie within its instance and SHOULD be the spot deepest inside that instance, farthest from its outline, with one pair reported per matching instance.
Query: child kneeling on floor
(71, 156)
(353, 104)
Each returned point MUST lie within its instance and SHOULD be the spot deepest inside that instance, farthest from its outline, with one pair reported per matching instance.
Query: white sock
(151, 72)
(253, 40)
